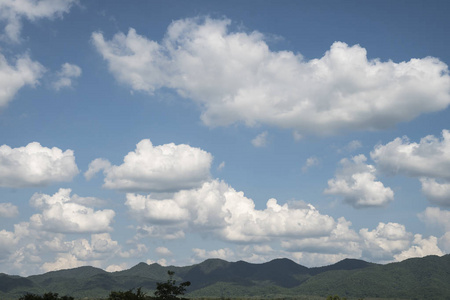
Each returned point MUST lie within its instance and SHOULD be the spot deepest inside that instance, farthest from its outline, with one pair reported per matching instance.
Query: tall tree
(169, 290)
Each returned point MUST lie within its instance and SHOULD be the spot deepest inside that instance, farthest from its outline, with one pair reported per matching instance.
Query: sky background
(176, 131)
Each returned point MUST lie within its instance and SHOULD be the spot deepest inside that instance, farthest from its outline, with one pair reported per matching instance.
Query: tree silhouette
(169, 290)
(128, 295)
(46, 296)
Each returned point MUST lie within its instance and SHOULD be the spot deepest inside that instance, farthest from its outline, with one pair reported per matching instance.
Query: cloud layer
(35, 165)
(235, 77)
(218, 209)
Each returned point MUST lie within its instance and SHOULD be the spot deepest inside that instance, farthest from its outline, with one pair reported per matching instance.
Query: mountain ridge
(426, 277)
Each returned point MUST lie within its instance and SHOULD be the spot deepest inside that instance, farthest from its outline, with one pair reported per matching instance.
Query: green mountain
(417, 278)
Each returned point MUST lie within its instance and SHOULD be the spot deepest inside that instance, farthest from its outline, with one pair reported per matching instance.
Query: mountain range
(416, 278)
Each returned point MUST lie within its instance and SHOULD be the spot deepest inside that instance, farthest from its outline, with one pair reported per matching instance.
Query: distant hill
(417, 278)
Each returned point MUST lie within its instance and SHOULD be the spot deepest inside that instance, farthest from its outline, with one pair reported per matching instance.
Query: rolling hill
(417, 278)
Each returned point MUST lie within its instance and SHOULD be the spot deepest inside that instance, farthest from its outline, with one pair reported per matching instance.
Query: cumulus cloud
(218, 209)
(428, 158)
(14, 77)
(202, 254)
(236, 78)
(341, 240)
(161, 262)
(12, 12)
(421, 247)
(260, 140)
(116, 268)
(444, 242)
(163, 251)
(63, 261)
(356, 182)
(8, 210)
(436, 217)
(161, 168)
(31, 249)
(35, 165)
(66, 76)
(436, 192)
(61, 214)
(7, 243)
(385, 241)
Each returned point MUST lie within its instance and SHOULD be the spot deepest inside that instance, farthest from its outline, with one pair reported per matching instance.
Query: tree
(169, 290)
(128, 295)
(46, 296)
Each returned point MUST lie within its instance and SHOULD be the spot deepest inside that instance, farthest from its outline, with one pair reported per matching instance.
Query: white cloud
(66, 76)
(219, 209)
(429, 158)
(31, 249)
(163, 251)
(61, 214)
(444, 242)
(161, 168)
(436, 192)
(8, 210)
(260, 140)
(317, 259)
(356, 182)
(96, 166)
(164, 231)
(156, 211)
(34, 165)
(351, 146)
(341, 240)
(435, 217)
(385, 241)
(162, 262)
(202, 254)
(310, 162)
(422, 247)
(8, 242)
(139, 250)
(63, 261)
(13, 78)
(12, 12)
(116, 268)
(235, 77)
(79, 252)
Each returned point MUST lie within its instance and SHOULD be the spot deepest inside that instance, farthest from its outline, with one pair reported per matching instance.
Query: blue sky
(176, 131)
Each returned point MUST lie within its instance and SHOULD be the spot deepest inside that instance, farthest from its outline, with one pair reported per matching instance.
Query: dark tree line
(46, 296)
(168, 290)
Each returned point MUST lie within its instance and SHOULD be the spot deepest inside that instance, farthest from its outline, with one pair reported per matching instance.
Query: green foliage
(335, 297)
(169, 290)
(128, 295)
(46, 296)
(417, 278)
